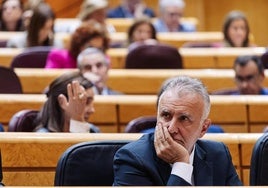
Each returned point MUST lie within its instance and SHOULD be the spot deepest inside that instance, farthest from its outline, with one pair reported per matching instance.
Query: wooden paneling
(30, 159)
(114, 112)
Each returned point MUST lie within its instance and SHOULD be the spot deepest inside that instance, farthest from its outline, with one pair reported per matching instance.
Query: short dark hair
(245, 59)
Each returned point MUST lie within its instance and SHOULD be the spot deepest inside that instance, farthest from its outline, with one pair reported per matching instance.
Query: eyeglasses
(248, 78)
(174, 14)
(98, 65)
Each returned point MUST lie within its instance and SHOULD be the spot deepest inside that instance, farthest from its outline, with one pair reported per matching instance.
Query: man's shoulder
(116, 12)
(149, 12)
(210, 145)
(141, 145)
(264, 91)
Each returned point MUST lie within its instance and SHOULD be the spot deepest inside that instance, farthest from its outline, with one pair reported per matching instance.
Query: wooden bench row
(241, 114)
(120, 24)
(193, 58)
(29, 159)
(132, 81)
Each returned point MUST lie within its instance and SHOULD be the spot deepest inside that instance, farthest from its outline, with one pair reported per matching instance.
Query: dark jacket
(137, 164)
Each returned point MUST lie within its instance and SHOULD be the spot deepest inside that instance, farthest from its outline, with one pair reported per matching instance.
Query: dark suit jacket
(137, 164)
(118, 12)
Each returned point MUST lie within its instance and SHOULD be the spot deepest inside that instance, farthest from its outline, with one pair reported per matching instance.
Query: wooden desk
(197, 58)
(120, 24)
(29, 159)
(131, 81)
(114, 112)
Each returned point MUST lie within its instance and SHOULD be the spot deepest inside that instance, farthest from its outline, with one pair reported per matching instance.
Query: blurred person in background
(236, 30)
(94, 65)
(40, 30)
(249, 77)
(11, 15)
(141, 32)
(28, 8)
(171, 11)
(69, 105)
(131, 9)
(89, 10)
(91, 34)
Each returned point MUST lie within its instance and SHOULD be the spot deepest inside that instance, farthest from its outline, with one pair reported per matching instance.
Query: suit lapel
(163, 168)
(203, 170)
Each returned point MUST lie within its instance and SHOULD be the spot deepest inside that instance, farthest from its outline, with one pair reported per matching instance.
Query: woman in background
(91, 34)
(141, 32)
(69, 105)
(11, 15)
(39, 31)
(236, 30)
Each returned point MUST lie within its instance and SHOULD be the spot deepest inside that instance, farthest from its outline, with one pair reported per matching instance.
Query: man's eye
(166, 115)
(184, 118)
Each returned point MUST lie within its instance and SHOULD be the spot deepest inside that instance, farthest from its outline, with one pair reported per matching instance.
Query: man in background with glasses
(249, 77)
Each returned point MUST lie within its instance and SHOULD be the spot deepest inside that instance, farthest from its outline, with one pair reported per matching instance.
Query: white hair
(167, 3)
(89, 51)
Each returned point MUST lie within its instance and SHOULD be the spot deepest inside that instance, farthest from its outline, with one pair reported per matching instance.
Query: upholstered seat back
(154, 57)
(259, 162)
(264, 60)
(23, 121)
(34, 57)
(9, 81)
(87, 164)
(141, 124)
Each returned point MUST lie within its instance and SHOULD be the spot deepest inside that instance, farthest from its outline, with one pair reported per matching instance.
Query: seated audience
(170, 12)
(141, 32)
(91, 34)
(40, 30)
(69, 105)
(93, 62)
(130, 9)
(236, 30)
(11, 15)
(174, 155)
(249, 77)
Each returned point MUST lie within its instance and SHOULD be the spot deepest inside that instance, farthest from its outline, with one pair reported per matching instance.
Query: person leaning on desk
(175, 155)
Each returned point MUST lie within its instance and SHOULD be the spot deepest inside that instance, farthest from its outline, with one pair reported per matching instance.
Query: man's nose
(172, 128)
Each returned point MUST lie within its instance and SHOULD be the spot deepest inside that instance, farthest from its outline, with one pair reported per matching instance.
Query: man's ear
(205, 125)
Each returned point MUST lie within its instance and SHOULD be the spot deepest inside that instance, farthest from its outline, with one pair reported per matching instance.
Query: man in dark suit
(130, 9)
(175, 155)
